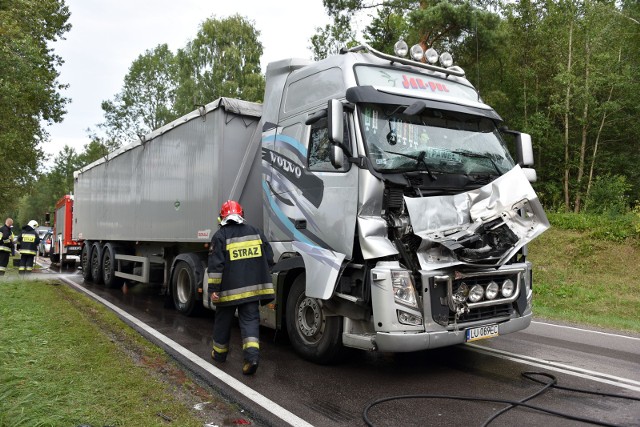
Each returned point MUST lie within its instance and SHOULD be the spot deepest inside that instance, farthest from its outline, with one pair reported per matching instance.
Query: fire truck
(64, 249)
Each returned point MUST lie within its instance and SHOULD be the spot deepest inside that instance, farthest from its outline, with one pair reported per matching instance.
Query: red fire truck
(64, 250)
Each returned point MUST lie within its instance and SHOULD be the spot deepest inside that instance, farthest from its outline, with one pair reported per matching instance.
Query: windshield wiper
(479, 156)
(419, 159)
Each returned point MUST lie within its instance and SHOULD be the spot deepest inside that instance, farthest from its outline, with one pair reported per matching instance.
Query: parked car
(42, 230)
(45, 244)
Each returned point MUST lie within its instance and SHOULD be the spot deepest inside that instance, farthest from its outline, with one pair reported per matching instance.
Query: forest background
(567, 72)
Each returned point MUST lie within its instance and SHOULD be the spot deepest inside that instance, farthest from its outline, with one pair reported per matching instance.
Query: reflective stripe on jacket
(239, 260)
(29, 241)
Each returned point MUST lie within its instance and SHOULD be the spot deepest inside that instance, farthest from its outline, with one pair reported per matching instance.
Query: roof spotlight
(417, 52)
(431, 55)
(401, 48)
(446, 60)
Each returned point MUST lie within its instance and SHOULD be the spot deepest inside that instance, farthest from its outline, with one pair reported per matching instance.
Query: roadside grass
(580, 277)
(67, 361)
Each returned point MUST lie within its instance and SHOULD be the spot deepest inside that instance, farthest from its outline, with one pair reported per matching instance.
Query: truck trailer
(398, 217)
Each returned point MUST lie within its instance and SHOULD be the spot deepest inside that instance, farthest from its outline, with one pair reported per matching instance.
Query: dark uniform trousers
(249, 320)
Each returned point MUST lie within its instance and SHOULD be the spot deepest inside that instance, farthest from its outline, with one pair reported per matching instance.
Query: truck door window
(320, 148)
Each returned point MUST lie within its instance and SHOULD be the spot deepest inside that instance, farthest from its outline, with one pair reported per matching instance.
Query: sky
(108, 35)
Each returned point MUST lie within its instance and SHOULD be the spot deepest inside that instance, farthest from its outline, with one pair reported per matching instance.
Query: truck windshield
(435, 141)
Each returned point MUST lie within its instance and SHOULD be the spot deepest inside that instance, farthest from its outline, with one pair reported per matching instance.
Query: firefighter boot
(250, 368)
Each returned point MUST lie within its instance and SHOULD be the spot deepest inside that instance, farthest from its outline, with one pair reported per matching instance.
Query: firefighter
(28, 241)
(238, 278)
(6, 245)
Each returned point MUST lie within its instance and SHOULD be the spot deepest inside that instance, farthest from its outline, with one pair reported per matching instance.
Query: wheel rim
(310, 321)
(183, 286)
(95, 263)
(85, 260)
(106, 267)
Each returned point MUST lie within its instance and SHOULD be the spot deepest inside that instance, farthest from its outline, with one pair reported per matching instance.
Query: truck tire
(85, 261)
(96, 263)
(109, 267)
(184, 289)
(313, 335)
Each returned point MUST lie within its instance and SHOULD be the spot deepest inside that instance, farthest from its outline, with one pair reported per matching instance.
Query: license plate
(481, 332)
(73, 248)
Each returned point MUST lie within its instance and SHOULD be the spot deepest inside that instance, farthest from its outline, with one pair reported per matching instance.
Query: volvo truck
(397, 204)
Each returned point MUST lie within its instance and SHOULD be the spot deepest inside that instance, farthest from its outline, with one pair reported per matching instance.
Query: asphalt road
(600, 361)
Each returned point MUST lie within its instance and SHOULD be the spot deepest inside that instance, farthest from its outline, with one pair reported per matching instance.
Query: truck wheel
(96, 263)
(313, 335)
(109, 267)
(184, 289)
(85, 261)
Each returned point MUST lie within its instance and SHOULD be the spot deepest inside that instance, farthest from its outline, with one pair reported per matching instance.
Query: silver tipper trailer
(147, 211)
(397, 210)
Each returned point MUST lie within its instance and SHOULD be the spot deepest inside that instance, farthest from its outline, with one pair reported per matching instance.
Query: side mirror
(336, 121)
(531, 174)
(524, 149)
(337, 157)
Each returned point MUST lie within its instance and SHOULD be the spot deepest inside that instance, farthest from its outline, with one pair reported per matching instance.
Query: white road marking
(559, 367)
(587, 330)
(248, 392)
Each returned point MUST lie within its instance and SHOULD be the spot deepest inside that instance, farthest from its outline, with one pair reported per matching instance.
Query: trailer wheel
(184, 289)
(314, 335)
(85, 261)
(96, 263)
(109, 267)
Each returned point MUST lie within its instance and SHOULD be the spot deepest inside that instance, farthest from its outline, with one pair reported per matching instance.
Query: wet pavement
(336, 395)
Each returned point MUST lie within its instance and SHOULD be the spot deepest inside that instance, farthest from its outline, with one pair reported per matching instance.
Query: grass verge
(67, 361)
(579, 277)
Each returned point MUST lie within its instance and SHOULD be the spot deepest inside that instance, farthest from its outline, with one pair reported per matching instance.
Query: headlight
(492, 290)
(403, 290)
(476, 293)
(508, 287)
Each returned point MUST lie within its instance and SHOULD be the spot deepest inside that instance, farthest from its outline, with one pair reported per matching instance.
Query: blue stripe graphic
(287, 140)
(284, 219)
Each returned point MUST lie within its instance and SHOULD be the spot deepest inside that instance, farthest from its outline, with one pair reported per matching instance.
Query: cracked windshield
(433, 141)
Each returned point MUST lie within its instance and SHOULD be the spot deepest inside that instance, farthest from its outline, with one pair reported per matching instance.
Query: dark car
(44, 247)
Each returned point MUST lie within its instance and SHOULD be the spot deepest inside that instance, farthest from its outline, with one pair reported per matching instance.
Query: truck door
(309, 200)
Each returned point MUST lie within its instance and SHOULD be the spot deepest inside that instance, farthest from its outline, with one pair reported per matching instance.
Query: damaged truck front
(398, 215)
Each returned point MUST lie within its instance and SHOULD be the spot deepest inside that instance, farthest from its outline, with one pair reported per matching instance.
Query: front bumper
(407, 342)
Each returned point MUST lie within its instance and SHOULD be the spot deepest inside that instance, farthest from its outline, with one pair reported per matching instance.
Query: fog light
(409, 319)
(492, 290)
(462, 293)
(508, 288)
(476, 293)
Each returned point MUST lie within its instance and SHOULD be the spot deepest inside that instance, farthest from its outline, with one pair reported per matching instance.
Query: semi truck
(398, 206)
(64, 250)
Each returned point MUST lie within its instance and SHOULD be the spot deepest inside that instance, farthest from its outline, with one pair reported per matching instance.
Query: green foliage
(610, 226)
(29, 89)
(609, 194)
(222, 60)
(147, 99)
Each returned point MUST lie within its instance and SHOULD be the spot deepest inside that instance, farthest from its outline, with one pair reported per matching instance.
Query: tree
(222, 60)
(29, 89)
(147, 99)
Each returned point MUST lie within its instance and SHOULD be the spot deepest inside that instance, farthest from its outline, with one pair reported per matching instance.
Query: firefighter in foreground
(238, 277)
(28, 241)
